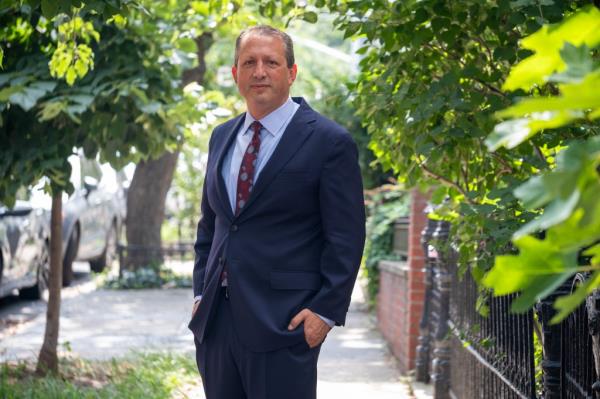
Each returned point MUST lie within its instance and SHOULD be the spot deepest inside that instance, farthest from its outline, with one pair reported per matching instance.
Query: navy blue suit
(296, 244)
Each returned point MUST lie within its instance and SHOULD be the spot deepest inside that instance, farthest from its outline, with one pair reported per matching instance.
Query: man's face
(262, 75)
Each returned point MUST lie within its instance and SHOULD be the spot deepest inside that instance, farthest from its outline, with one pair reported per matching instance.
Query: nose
(259, 70)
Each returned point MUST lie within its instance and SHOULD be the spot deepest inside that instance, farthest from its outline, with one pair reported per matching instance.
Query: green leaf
(27, 97)
(594, 252)
(151, 107)
(513, 273)
(50, 8)
(580, 96)
(522, 3)
(201, 7)
(508, 134)
(70, 76)
(51, 110)
(186, 44)
(351, 29)
(6, 77)
(310, 16)
(557, 212)
(579, 64)
(538, 289)
(534, 192)
(9, 91)
(568, 303)
(582, 28)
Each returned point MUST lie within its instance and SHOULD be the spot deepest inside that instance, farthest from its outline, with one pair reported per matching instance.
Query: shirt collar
(273, 122)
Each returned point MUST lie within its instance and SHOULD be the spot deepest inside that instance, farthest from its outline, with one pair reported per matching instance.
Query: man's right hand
(195, 308)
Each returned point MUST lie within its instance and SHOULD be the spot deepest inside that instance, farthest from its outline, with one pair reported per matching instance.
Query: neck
(258, 112)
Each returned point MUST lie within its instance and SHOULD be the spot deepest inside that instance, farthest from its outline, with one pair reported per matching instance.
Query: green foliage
(430, 88)
(140, 375)
(580, 30)
(71, 60)
(538, 357)
(184, 195)
(567, 194)
(129, 107)
(561, 56)
(153, 276)
(384, 206)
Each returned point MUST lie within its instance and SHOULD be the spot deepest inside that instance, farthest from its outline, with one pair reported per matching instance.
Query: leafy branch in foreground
(565, 238)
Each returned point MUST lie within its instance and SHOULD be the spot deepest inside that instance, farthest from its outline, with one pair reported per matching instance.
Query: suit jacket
(298, 241)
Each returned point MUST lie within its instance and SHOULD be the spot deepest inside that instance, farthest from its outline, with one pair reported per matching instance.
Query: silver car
(24, 251)
(93, 215)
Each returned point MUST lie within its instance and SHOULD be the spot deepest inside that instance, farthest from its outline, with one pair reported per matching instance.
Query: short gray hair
(267, 30)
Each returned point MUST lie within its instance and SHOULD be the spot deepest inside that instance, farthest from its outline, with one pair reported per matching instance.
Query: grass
(141, 375)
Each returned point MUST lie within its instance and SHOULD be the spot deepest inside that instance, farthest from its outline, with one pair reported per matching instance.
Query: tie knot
(256, 126)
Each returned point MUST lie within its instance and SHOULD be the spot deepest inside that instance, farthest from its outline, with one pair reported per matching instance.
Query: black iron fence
(501, 355)
(579, 375)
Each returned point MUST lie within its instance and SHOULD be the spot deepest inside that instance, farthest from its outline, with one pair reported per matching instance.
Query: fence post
(120, 249)
(443, 280)
(424, 340)
(592, 304)
(552, 344)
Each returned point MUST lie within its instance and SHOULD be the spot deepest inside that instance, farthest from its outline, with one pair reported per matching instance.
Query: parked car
(93, 215)
(24, 251)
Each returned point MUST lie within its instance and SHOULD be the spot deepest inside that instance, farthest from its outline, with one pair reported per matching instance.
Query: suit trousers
(230, 371)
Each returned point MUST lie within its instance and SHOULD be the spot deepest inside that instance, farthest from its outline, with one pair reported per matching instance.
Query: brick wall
(401, 291)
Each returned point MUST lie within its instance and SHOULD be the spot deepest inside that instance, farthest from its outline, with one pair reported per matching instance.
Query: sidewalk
(355, 362)
(100, 324)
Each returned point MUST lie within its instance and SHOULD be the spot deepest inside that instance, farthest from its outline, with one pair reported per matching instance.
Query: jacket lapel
(299, 129)
(221, 187)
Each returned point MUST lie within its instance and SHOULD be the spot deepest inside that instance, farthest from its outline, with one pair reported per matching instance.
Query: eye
(248, 63)
(272, 63)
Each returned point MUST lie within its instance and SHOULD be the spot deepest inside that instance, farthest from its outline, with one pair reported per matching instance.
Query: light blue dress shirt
(273, 126)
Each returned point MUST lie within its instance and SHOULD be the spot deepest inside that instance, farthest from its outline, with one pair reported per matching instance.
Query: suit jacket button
(234, 227)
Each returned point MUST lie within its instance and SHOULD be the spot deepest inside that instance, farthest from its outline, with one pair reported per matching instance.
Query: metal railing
(144, 255)
(466, 355)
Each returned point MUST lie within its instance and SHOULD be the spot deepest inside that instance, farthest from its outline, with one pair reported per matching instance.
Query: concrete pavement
(101, 324)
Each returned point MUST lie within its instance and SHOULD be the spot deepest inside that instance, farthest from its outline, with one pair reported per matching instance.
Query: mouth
(259, 86)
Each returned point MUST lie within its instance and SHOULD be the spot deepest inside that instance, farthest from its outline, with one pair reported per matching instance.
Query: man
(281, 234)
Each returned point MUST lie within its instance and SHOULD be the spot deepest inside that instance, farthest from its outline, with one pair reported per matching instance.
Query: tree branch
(538, 152)
(508, 167)
(446, 181)
(484, 44)
(493, 89)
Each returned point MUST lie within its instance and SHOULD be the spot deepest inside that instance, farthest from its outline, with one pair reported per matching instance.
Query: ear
(293, 73)
(234, 73)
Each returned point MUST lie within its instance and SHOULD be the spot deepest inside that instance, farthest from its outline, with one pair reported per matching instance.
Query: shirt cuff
(197, 298)
(329, 322)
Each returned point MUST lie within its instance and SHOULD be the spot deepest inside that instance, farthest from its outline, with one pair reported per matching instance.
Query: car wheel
(110, 252)
(69, 257)
(38, 291)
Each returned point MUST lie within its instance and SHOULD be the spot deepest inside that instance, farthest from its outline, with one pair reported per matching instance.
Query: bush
(153, 276)
(384, 206)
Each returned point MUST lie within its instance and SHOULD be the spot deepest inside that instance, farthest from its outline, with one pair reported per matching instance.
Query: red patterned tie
(246, 174)
(245, 178)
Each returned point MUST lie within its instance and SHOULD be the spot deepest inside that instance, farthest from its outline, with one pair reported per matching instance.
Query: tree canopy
(434, 79)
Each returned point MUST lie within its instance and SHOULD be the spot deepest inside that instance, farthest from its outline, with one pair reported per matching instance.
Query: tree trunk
(203, 43)
(48, 359)
(150, 184)
(146, 209)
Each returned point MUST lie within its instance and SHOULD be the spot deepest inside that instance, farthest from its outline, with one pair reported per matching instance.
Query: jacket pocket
(295, 280)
